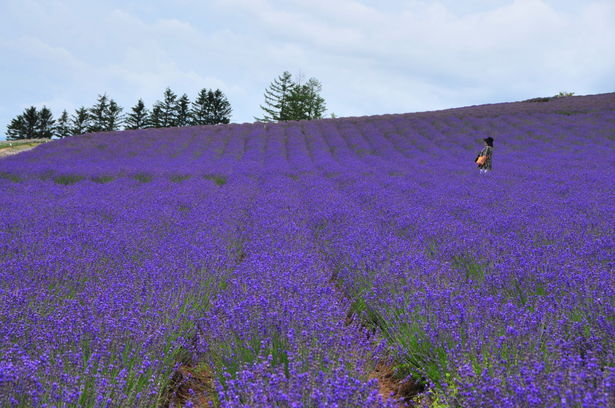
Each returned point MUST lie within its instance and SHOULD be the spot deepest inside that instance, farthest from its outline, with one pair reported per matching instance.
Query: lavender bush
(289, 260)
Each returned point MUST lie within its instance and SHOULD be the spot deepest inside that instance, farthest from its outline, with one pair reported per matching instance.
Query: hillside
(340, 262)
(333, 144)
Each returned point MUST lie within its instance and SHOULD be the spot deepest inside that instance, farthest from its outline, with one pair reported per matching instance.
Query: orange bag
(481, 160)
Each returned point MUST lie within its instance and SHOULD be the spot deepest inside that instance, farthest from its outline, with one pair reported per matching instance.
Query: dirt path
(17, 147)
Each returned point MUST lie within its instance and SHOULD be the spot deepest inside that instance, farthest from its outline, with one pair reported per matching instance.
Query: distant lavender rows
(241, 248)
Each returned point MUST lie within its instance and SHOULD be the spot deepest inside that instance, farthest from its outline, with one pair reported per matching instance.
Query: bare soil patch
(193, 384)
(403, 390)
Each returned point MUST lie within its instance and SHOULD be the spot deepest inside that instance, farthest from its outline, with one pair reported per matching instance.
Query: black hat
(489, 141)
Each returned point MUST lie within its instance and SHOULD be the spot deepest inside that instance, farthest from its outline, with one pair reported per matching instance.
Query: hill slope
(287, 264)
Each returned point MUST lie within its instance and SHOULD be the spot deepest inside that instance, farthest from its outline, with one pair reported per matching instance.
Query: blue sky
(372, 56)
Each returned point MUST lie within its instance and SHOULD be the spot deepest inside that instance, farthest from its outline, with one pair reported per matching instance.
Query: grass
(102, 179)
(472, 269)
(67, 179)
(24, 142)
(9, 176)
(216, 178)
(178, 178)
(142, 177)
(231, 355)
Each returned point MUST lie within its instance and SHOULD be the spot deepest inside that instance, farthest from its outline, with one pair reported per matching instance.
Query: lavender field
(286, 265)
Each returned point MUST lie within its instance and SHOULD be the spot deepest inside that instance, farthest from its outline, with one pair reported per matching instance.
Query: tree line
(210, 107)
(285, 99)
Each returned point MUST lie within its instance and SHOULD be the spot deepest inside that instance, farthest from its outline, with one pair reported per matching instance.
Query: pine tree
(156, 117)
(113, 116)
(80, 121)
(183, 111)
(31, 118)
(24, 126)
(276, 99)
(97, 115)
(138, 118)
(166, 111)
(62, 128)
(220, 107)
(16, 130)
(199, 111)
(45, 124)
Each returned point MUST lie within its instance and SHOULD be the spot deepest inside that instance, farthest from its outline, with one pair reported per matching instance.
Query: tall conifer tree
(138, 118)
(31, 118)
(276, 99)
(80, 121)
(113, 116)
(98, 114)
(164, 113)
(156, 120)
(62, 128)
(183, 111)
(16, 130)
(45, 124)
(220, 107)
(199, 111)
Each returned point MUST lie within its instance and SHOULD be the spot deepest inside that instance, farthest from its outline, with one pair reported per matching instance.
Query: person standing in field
(483, 160)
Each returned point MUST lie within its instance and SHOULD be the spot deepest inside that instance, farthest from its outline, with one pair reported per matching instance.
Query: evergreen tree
(30, 118)
(80, 121)
(199, 112)
(138, 118)
(45, 125)
(23, 126)
(113, 116)
(97, 115)
(219, 107)
(166, 111)
(305, 102)
(16, 130)
(62, 128)
(156, 117)
(183, 111)
(276, 99)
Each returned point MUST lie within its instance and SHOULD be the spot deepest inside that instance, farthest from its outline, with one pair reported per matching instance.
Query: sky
(371, 56)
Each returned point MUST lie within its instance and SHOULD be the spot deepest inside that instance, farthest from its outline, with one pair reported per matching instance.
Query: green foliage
(305, 102)
(183, 111)
(210, 108)
(286, 99)
(9, 176)
(32, 124)
(216, 178)
(102, 179)
(472, 269)
(45, 125)
(67, 179)
(166, 113)
(62, 128)
(431, 248)
(105, 115)
(177, 178)
(80, 121)
(539, 99)
(370, 317)
(142, 177)
(564, 94)
(276, 99)
(138, 118)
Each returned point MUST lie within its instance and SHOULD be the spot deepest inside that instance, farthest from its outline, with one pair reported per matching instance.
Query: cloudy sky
(372, 56)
